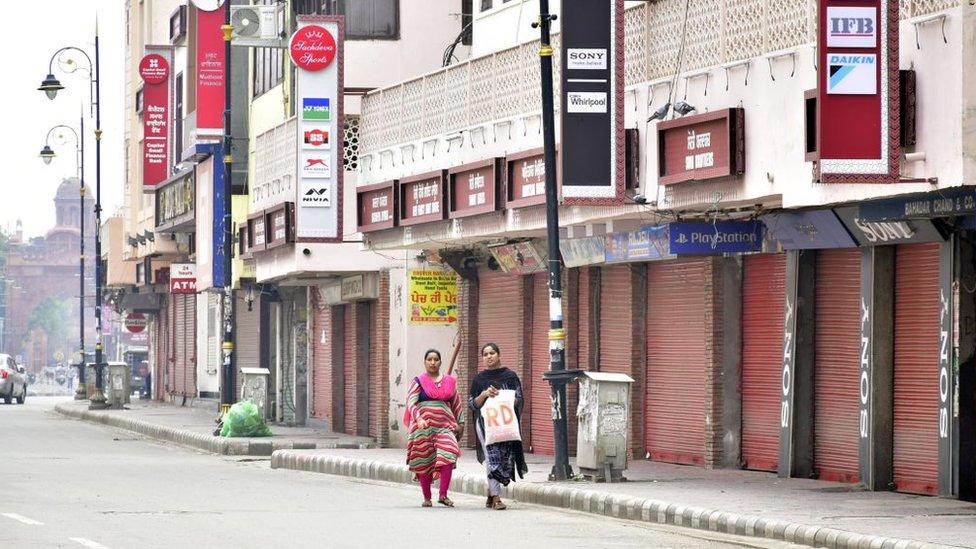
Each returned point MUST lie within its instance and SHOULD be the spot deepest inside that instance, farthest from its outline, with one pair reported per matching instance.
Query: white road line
(89, 543)
(21, 518)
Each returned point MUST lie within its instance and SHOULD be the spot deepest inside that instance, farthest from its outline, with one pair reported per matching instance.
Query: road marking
(21, 518)
(89, 543)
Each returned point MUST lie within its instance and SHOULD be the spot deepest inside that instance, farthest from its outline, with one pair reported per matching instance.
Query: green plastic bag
(244, 420)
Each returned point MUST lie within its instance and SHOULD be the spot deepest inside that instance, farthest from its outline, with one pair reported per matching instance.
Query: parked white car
(13, 382)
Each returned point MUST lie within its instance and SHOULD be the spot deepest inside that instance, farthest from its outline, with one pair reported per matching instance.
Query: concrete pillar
(796, 388)
(964, 426)
(877, 366)
(732, 362)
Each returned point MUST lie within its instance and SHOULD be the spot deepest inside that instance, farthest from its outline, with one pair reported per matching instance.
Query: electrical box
(255, 388)
(117, 383)
(603, 416)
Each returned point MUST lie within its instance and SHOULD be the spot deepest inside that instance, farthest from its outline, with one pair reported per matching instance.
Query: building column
(964, 424)
(796, 384)
(949, 419)
(877, 368)
(731, 362)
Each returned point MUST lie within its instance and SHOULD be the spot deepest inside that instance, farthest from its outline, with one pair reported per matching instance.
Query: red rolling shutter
(190, 343)
(837, 361)
(499, 300)
(541, 420)
(675, 403)
(916, 406)
(763, 297)
(616, 331)
(321, 337)
(349, 367)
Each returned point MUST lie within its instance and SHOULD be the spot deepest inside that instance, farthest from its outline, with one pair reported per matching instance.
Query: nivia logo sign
(317, 195)
(852, 27)
(852, 74)
(586, 59)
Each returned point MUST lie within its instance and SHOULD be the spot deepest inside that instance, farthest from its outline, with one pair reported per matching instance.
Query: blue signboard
(703, 237)
(648, 243)
(215, 150)
(809, 230)
(944, 203)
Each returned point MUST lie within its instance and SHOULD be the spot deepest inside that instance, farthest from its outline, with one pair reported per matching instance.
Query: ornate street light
(51, 86)
(47, 154)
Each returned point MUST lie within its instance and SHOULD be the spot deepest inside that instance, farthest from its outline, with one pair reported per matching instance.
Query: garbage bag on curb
(244, 420)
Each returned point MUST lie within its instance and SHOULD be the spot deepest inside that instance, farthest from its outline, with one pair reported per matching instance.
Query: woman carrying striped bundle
(434, 418)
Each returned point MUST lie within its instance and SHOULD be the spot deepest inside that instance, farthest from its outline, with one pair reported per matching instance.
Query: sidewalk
(741, 502)
(194, 427)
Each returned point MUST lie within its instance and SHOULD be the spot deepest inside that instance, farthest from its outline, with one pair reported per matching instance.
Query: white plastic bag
(501, 423)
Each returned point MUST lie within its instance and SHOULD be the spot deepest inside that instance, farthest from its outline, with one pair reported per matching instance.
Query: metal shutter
(349, 367)
(675, 402)
(583, 332)
(836, 364)
(916, 406)
(321, 337)
(247, 343)
(541, 409)
(180, 344)
(499, 300)
(190, 333)
(616, 330)
(763, 297)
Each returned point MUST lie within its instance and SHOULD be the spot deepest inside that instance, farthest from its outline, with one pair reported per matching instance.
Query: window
(485, 5)
(268, 65)
(365, 19)
(177, 25)
(139, 101)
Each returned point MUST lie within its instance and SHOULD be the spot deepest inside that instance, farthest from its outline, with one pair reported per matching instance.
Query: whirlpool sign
(703, 237)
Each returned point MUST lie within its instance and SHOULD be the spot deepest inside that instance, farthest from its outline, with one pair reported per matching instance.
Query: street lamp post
(50, 86)
(47, 154)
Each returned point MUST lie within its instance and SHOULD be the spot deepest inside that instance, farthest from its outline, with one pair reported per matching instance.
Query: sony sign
(865, 384)
(787, 383)
(944, 385)
(586, 59)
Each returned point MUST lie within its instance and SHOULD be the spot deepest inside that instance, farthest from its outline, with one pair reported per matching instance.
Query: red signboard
(376, 207)
(135, 323)
(858, 91)
(154, 70)
(474, 188)
(257, 234)
(422, 198)
(312, 48)
(210, 72)
(280, 225)
(183, 278)
(525, 178)
(700, 147)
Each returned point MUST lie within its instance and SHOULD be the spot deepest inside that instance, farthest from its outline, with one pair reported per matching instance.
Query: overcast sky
(35, 30)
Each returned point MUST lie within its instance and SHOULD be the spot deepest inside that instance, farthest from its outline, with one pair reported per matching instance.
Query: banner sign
(210, 73)
(819, 229)
(433, 297)
(474, 188)
(702, 146)
(858, 91)
(183, 278)
(376, 206)
(316, 50)
(704, 237)
(578, 252)
(520, 258)
(944, 203)
(878, 233)
(154, 70)
(648, 243)
(421, 198)
(592, 118)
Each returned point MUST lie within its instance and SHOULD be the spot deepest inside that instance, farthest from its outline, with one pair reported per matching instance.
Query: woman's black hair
(493, 346)
(428, 351)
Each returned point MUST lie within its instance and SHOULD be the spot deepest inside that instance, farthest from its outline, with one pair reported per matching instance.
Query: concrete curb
(206, 442)
(601, 503)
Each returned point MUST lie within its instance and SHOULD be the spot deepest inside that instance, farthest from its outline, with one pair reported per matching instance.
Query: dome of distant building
(69, 188)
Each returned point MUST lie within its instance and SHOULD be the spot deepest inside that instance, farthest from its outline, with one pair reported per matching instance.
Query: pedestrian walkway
(194, 426)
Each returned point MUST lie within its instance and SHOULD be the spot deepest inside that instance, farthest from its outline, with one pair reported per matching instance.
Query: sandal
(488, 502)
(446, 501)
(427, 503)
(497, 504)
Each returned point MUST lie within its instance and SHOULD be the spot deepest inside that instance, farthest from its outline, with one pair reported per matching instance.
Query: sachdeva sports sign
(154, 71)
(858, 91)
(210, 73)
(316, 50)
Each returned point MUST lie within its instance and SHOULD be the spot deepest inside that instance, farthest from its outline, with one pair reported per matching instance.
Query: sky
(26, 115)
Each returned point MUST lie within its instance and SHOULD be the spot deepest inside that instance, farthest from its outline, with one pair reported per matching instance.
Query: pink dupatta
(445, 392)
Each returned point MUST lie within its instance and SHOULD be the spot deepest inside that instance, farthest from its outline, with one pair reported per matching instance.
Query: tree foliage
(51, 315)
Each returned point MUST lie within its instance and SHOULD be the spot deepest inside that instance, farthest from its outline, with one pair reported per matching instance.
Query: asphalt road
(66, 483)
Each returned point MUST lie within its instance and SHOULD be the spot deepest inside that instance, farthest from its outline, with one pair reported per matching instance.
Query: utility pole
(557, 374)
(227, 392)
(98, 399)
(81, 392)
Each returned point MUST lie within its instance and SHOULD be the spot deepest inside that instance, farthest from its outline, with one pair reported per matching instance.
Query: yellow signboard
(433, 297)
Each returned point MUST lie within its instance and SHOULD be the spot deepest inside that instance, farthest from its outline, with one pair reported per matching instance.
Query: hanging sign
(578, 252)
(702, 146)
(706, 237)
(474, 188)
(135, 323)
(183, 278)
(154, 70)
(817, 229)
(316, 49)
(433, 297)
(648, 243)
(858, 91)
(376, 206)
(521, 258)
(592, 118)
(210, 73)
(421, 198)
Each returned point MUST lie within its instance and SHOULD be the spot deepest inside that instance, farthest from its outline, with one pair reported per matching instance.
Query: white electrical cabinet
(603, 416)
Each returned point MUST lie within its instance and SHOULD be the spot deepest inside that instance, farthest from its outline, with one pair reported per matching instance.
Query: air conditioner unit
(256, 26)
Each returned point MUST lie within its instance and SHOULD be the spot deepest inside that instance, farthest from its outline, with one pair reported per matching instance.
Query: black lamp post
(47, 154)
(50, 86)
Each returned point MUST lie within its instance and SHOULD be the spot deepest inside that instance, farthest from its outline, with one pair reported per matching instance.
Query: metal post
(557, 375)
(98, 399)
(227, 385)
(81, 392)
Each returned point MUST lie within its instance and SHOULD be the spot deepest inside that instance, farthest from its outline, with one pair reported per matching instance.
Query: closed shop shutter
(616, 330)
(349, 367)
(190, 334)
(541, 420)
(247, 343)
(180, 344)
(836, 364)
(916, 406)
(675, 402)
(583, 332)
(499, 300)
(321, 337)
(763, 296)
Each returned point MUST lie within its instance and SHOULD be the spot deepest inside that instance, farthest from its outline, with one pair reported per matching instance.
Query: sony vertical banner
(210, 73)
(592, 154)
(154, 71)
(316, 50)
(858, 91)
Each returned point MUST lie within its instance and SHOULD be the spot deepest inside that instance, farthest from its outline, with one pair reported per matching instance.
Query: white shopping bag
(501, 423)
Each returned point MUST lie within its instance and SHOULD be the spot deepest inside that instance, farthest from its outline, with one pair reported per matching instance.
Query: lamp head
(51, 86)
(47, 154)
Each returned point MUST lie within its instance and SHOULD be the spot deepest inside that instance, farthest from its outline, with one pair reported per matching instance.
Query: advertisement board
(432, 297)
(154, 69)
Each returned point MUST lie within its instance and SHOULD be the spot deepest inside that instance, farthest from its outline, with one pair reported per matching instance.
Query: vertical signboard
(154, 71)
(592, 144)
(858, 91)
(210, 73)
(316, 50)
